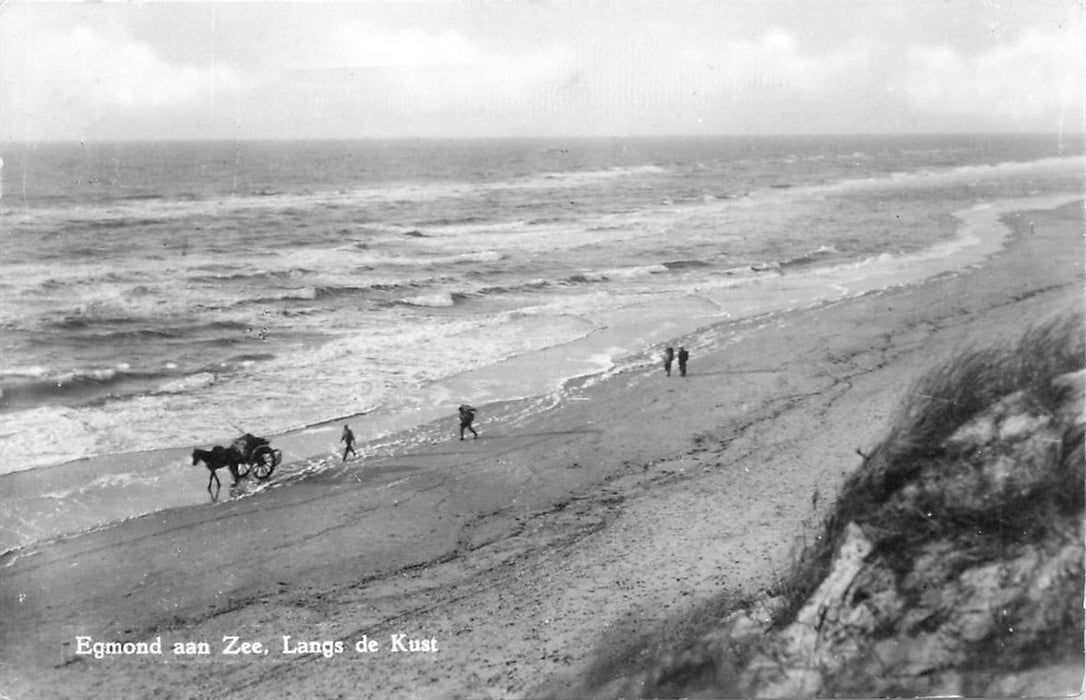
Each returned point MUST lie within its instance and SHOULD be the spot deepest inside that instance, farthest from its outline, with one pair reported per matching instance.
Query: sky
(537, 68)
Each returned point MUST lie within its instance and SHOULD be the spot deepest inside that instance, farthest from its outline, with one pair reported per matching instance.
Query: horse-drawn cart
(256, 456)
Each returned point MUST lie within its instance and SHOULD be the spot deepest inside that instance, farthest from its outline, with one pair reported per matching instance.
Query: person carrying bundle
(467, 417)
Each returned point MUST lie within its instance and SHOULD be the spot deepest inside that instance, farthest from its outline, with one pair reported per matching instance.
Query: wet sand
(519, 555)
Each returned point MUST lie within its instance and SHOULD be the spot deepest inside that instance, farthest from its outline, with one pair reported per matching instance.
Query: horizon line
(582, 137)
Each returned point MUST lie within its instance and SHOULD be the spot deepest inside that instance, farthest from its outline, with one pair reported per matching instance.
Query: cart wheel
(263, 462)
(243, 469)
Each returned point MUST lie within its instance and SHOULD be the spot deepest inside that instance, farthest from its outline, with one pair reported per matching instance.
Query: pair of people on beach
(669, 357)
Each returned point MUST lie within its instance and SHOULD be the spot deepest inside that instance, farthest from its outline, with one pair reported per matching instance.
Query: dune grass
(939, 403)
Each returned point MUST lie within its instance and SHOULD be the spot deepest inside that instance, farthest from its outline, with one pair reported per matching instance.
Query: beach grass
(940, 402)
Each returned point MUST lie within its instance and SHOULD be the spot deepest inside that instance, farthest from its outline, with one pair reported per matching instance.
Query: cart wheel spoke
(264, 463)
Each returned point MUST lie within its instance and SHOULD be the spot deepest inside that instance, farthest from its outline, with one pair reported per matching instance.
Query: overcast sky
(155, 70)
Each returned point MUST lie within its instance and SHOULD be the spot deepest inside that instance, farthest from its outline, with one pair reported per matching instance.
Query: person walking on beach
(467, 417)
(348, 439)
(683, 357)
(669, 357)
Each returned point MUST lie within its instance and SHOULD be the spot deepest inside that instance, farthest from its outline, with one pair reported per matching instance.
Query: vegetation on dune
(940, 403)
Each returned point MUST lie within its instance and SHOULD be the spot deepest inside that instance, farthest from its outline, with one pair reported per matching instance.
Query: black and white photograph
(542, 349)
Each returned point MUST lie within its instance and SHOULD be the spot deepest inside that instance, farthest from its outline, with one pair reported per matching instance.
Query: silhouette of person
(348, 439)
(467, 416)
(669, 357)
(683, 357)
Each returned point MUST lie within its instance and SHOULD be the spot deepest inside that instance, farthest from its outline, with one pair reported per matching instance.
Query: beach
(506, 566)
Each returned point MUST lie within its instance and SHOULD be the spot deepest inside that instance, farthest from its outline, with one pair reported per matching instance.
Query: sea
(176, 294)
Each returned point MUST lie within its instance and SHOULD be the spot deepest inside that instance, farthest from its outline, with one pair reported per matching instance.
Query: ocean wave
(577, 176)
(232, 275)
(596, 276)
(434, 300)
(811, 257)
(125, 222)
(88, 319)
(92, 331)
(332, 291)
(32, 388)
(251, 357)
(97, 387)
(738, 270)
(873, 260)
(636, 271)
(418, 260)
(134, 335)
(222, 326)
(450, 221)
(685, 264)
(927, 176)
(616, 273)
(26, 371)
(55, 279)
(814, 256)
(545, 220)
(181, 385)
(299, 294)
(140, 196)
(478, 256)
(429, 191)
(424, 261)
(529, 285)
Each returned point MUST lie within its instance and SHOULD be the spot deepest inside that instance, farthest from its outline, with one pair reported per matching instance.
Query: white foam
(192, 382)
(97, 374)
(105, 481)
(34, 371)
(43, 436)
(437, 299)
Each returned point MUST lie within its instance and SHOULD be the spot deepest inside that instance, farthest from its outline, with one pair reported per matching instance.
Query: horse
(217, 458)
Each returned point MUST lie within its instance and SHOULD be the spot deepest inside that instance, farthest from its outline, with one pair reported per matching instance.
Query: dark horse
(217, 458)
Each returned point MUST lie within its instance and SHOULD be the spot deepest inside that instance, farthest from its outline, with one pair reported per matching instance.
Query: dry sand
(525, 553)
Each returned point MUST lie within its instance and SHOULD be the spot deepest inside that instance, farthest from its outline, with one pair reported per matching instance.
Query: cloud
(358, 45)
(116, 71)
(440, 62)
(762, 82)
(69, 81)
(1033, 82)
(380, 82)
(774, 65)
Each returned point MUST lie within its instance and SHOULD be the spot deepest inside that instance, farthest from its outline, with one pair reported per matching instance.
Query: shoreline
(944, 249)
(312, 448)
(630, 502)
